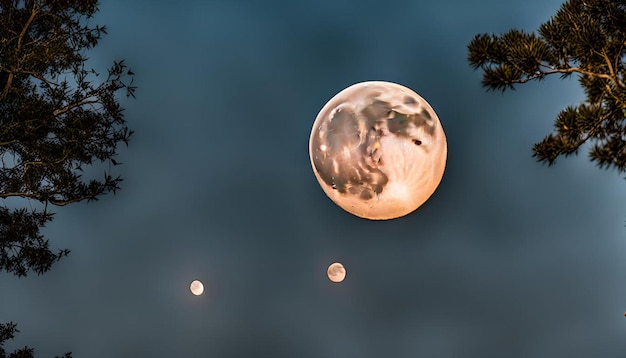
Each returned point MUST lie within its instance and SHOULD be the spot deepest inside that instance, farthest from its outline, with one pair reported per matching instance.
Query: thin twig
(33, 13)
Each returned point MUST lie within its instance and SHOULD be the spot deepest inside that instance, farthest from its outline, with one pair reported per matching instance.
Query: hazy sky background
(509, 258)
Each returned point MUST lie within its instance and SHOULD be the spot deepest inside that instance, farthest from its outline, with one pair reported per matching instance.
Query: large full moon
(196, 287)
(378, 150)
(336, 272)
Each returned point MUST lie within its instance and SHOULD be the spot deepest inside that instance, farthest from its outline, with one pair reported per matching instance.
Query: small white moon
(196, 287)
(336, 272)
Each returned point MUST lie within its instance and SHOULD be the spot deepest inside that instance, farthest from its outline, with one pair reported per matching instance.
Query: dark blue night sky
(509, 258)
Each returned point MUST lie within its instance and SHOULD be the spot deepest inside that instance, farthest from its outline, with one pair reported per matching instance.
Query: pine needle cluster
(586, 38)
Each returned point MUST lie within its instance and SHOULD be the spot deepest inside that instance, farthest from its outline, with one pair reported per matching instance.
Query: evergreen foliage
(57, 118)
(587, 38)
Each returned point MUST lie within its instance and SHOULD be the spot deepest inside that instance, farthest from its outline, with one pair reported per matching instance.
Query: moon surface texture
(196, 287)
(378, 150)
(336, 272)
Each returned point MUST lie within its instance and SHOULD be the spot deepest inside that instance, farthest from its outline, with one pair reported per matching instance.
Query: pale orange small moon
(196, 287)
(378, 150)
(336, 272)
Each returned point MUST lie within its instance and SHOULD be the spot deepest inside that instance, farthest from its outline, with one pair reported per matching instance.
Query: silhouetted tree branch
(586, 37)
(56, 118)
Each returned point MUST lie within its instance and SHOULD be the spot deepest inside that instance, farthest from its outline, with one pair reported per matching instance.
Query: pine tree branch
(67, 202)
(40, 162)
(50, 84)
(609, 90)
(581, 71)
(33, 13)
(38, 76)
(74, 105)
(20, 194)
(568, 70)
(612, 68)
(39, 197)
